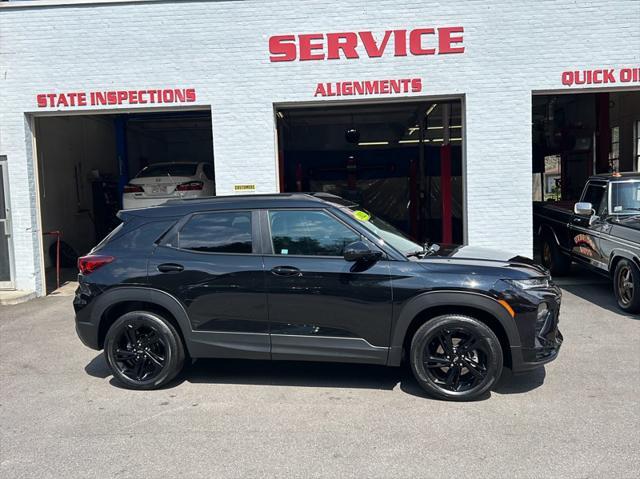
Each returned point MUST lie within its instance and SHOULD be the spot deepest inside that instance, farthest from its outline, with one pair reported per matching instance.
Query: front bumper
(541, 339)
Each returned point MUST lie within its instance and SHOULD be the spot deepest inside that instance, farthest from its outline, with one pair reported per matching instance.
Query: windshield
(384, 230)
(625, 197)
(171, 169)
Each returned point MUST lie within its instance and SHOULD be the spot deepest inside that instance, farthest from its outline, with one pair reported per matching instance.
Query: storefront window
(614, 151)
(637, 145)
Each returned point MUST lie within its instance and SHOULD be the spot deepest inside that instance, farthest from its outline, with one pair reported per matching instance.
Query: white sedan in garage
(160, 182)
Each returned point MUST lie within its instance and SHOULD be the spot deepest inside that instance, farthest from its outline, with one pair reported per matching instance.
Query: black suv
(308, 277)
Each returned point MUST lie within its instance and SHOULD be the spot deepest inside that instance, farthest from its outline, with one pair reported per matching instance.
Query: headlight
(543, 311)
(531, 283)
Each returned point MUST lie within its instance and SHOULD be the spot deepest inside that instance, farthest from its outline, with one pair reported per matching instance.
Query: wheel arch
(433, 304)
(617, 255)
(114, 303)
(547, 230)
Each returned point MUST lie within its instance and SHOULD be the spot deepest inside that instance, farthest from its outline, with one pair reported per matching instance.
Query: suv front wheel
(144, 350)
(456, 357)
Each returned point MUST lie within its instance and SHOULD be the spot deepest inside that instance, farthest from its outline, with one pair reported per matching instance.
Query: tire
(479, 368)
(626, 286)
(144, 350)
(552, 257)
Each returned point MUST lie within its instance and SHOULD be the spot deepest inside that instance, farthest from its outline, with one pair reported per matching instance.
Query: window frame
(171, 239)
(597, 184)
(267, 244)
(636, 146)
(610, 195)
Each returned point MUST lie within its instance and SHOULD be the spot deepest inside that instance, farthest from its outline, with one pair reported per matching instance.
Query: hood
(630, 222)
(478, 256)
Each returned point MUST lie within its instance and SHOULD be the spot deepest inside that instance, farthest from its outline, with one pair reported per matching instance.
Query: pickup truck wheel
(455, 357)
(552, 258)
(626, 285)
(144, 350)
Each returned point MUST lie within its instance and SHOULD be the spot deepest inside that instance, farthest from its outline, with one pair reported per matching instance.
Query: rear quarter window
(139, 236)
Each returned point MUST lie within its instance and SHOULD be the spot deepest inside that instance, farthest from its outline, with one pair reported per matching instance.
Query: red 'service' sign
(116, 97)
(350, 45)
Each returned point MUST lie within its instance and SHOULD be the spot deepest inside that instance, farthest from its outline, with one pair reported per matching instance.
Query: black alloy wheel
(626, 285)
(456, 357)
(143, 350)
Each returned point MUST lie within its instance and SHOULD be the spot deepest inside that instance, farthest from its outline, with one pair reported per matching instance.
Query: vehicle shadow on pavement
(599, 294)
(593, 288)
(310, 374)
(510, 383)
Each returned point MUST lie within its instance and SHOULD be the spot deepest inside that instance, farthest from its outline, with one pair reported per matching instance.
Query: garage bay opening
(87, 164)
(579, 135)
(576, 136)
(400, 161)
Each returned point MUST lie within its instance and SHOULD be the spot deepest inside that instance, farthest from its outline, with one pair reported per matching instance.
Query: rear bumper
(88, 334)
(86, 329)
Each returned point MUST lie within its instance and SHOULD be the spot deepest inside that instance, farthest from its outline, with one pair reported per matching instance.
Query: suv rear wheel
(144, 350)
(455, 357)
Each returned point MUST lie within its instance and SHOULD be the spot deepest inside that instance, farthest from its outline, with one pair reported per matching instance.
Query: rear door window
(217, 232)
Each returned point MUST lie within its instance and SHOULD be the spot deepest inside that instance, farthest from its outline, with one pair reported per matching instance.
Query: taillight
(133, 189)
(190, 186)
(88, 264)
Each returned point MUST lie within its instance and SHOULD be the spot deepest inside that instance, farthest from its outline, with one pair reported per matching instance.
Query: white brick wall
(220, 48)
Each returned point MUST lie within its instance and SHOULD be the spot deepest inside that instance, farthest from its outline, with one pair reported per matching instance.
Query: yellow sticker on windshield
(362, 215)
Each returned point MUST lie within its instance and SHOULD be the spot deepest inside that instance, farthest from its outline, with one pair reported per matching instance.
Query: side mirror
(360, 251)
(583, 209)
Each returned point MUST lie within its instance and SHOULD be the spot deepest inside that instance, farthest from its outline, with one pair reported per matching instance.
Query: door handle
(286, 271)
(170, 268)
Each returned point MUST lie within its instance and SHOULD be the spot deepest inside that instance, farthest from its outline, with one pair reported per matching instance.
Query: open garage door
(401, 161)
(87, 162)
(578, 135)
(582, 134)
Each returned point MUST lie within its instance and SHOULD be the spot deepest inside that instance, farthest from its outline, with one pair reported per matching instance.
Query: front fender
(622, 253)
(463, 299)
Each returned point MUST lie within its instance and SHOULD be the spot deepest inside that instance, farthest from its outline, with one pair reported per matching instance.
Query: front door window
(308, 233)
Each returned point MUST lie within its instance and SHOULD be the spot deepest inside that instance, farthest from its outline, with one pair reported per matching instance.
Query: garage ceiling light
(373, 143)
(408, 141)
(431, 109)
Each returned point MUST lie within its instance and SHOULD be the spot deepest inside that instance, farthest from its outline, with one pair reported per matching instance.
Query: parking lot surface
(61, 415)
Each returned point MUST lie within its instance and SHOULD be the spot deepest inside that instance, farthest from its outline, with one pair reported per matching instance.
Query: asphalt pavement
(62, 415)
